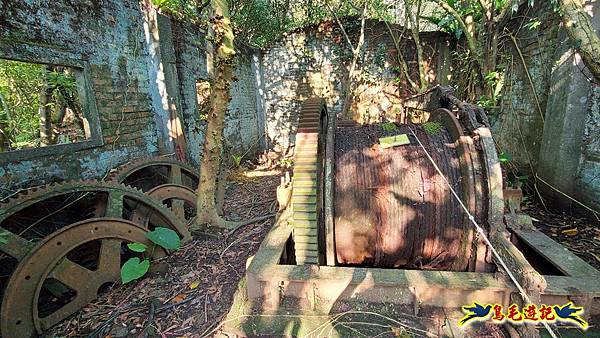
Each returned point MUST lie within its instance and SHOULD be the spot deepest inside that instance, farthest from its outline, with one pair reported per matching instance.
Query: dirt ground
(195, 289)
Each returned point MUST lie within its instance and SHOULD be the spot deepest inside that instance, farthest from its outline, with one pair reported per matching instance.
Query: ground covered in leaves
(192, 290)
(578, 232)
(195, 289)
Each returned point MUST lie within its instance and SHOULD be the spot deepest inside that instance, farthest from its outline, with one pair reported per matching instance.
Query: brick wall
(315, 61)
(111, 36)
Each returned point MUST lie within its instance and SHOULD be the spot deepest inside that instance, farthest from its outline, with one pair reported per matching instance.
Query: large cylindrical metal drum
(392, 208)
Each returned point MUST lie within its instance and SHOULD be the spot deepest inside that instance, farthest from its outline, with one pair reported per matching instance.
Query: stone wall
(241, 128)
(129, 81)
(518, 128)
(549, 114)
(315, 61)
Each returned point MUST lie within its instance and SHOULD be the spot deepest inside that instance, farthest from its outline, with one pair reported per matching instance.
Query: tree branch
(471, 44)
(581, 32)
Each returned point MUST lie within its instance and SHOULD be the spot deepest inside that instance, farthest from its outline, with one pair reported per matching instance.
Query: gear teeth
(304, 205)
(27, 198)
(120, 173)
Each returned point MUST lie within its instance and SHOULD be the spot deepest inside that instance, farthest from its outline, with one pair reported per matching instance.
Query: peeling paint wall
(109, 36)
(114, 38)
(550, 81)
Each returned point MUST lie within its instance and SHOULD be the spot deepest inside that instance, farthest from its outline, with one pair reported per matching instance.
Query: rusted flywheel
(170, 181)
(50, 284)
(29, 220)
(308, 173)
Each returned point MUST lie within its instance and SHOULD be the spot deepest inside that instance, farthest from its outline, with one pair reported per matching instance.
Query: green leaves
(432, 128)
(504, 157)
(137, 247)
(237, 160)
(165, 237)
(389, 127)
(532, 24)
(134, 269)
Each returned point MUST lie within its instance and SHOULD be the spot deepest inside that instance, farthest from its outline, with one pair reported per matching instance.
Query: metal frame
(320, 287)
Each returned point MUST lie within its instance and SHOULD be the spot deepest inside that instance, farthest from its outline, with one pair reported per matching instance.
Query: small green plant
(286, 162)
(532, 24)
(389, 127)
(135, 268)
(504, 157)
(432, 128)
(237, 160)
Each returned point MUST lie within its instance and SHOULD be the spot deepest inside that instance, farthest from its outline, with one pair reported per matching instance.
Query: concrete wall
(563, 146)
(519, 125)
(134, 77)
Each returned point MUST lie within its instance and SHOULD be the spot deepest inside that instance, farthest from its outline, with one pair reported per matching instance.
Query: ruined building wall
(518, 124)
(563, 147)
(241, 128)
(315, 61)
(118, 43)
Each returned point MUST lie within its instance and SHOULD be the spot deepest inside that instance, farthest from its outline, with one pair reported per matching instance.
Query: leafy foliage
(389, 127)
(504, 157)
(137, 247)
(259, 22)
(21, 85)
(432, 128)
(237, 160)
(165, 237)
(183, 9)
(135, 268)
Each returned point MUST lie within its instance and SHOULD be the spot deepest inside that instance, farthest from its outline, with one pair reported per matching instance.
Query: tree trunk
(414, 31)
(5, 134)
(351, 73)
(45, 114)
(213, 136)
(579, 28)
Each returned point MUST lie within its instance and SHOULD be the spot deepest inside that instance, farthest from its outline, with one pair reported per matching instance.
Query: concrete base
(275, 289)
(247, 318)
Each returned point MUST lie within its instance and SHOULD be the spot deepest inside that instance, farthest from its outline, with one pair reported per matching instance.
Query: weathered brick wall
(315, 61)
(109, 35)
(112, 37)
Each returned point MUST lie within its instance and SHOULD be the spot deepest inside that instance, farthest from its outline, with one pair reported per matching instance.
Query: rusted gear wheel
(181, 200)
(149, 173)
(38, 214)
(51, 283)
(170, 181)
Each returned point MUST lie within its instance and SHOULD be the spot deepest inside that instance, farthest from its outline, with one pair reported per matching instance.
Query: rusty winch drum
(390, 207)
